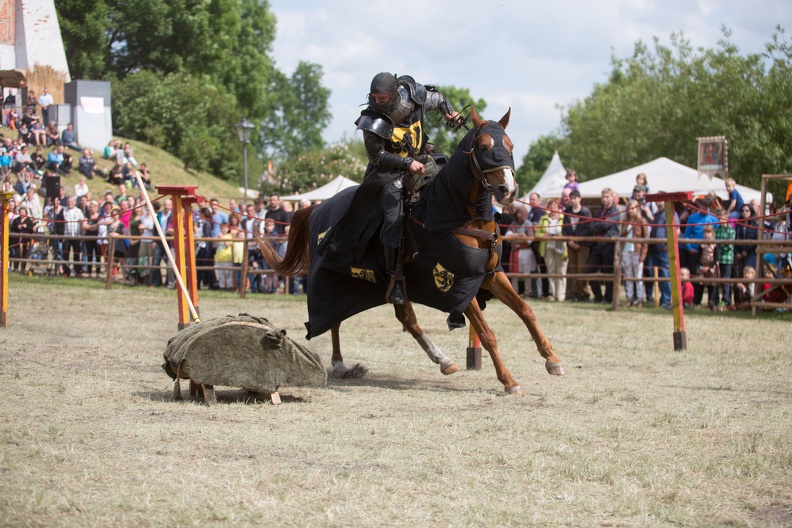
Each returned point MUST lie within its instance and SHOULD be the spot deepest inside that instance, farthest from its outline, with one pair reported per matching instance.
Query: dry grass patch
(635, 435)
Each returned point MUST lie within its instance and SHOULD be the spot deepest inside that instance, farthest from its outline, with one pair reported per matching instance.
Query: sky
(532, 57)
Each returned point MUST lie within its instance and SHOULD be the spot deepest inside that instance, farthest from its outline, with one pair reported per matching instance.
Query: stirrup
(395, 293)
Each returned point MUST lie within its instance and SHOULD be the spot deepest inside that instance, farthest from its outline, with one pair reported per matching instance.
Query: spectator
(278, 214)
(708, 269)
(32, 202)
(6, 162)
(687, 287)
(554, 252)
(541, 286)
(128, 156)
(73, 218)
(658, 253)
(69, 138)
(647, 209)
(163, 218)
(55, 159)
(725, 258)
(744, 291)
(23, 160)
(52, 134)
(145, 175)
(19, 246)
(233, 205)
(57, 226)
(271, 280)
(602, 253)
(522, 253)
(30, 105)
(747, 229)
(576, 219)
(109, 150)
(37, 133)
(238, 248)
(81, 188)
(90, 226)
(87, 165)
(572, 181)
(733, 204)
(39, 161)
(45, 101)
(12, 119)
(224, 258)
(634, 254)
(146, 246)
(694, 229)
(641, 179)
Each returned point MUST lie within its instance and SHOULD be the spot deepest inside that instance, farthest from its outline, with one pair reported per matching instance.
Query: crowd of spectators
(707, 219)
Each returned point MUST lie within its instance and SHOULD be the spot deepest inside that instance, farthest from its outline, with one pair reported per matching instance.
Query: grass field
(635, 435)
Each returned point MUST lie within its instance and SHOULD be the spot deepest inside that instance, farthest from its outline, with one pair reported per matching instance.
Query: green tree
(535, 162)
(314, 168)
(84, 25)
(182, 114)
(297, 113)
(660, 99)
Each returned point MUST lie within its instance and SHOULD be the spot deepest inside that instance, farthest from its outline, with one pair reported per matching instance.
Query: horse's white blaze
(511, 183)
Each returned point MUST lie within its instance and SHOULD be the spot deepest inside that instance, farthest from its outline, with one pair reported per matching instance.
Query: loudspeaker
(52, 186)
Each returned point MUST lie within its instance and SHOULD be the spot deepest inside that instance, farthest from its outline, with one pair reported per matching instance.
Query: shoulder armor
(417, 91)
(376, 123)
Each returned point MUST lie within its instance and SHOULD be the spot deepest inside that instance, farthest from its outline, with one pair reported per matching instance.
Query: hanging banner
(713, 157)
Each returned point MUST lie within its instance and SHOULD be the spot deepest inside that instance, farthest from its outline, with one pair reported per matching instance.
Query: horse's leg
(339, 369)
(500, 286)
(406, 316)
(490, 344)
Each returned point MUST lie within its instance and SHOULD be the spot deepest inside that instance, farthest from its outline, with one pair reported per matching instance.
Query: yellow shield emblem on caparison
(443, 278)
(365, 274)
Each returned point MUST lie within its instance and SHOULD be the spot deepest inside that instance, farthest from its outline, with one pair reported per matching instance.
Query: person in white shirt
(73, 219)
(45, 100)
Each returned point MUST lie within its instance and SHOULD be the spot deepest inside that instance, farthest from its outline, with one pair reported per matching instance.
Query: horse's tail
(298, 256)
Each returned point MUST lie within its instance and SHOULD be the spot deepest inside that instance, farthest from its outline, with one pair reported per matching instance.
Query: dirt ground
(635, 434)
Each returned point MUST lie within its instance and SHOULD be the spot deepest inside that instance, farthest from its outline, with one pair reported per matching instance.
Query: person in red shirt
(687, 287)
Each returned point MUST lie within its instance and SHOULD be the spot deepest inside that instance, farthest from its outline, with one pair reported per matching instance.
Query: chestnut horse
(454, 210)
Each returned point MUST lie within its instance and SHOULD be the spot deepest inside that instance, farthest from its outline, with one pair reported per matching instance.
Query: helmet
(384, 83)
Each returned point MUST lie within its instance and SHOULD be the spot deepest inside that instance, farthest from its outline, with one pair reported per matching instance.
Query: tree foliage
(179, 113)
(660, 99)
(298, 112)
(312, 169)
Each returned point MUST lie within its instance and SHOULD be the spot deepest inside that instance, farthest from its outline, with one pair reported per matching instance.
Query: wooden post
(110, 261)
(182, 246)
(473, 350)
(5, 197)
(680, 340)
(243, 276)
(616, 276)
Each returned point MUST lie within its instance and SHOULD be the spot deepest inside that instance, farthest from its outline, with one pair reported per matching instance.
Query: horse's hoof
(340, 371)
(556, 369)
(450, 369)
(516, 390)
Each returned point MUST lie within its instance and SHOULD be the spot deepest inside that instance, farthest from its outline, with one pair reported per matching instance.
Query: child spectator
(734, 202)
(5, 162)
(745, 255)
(687, 288)
(725, 259)
(708, 267)
(572, 181)
(744, 291)
(634, 254)
(224, 258)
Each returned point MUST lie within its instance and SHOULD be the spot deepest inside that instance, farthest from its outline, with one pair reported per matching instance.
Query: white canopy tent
(552, 181)
(665, 175)
(324, 192)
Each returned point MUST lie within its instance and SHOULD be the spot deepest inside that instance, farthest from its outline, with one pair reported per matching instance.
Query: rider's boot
(395, 293)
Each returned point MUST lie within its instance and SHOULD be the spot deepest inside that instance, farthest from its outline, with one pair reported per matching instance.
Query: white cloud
(531, 56)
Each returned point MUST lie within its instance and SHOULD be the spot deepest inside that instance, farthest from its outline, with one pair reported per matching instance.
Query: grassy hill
(165, 169)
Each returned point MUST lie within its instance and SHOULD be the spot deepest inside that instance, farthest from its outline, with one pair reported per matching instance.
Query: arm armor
(375, 150)
(436, 100)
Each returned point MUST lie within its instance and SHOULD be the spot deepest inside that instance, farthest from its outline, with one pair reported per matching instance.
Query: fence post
(183, 243)
(5, 197)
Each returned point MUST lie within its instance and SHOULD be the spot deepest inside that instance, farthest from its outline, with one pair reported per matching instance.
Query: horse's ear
(504, 121)
(477, 121)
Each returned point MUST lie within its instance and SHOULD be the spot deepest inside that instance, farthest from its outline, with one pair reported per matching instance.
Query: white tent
(324, 192)
(665, 175)
(552, 181)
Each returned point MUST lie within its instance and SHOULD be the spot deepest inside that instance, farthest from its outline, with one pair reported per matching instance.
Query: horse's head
(492, 157)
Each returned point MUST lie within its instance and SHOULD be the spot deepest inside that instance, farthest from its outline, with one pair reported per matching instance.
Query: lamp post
(244, 130)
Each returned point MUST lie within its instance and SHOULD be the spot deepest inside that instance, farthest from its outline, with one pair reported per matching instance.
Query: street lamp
(244, 130)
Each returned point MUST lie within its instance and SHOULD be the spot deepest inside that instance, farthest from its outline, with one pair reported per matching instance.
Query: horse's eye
(483, 147)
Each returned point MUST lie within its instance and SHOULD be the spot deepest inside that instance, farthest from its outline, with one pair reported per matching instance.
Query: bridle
(478, 173)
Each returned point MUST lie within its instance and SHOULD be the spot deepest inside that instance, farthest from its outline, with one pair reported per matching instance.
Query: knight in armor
(400, 158)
